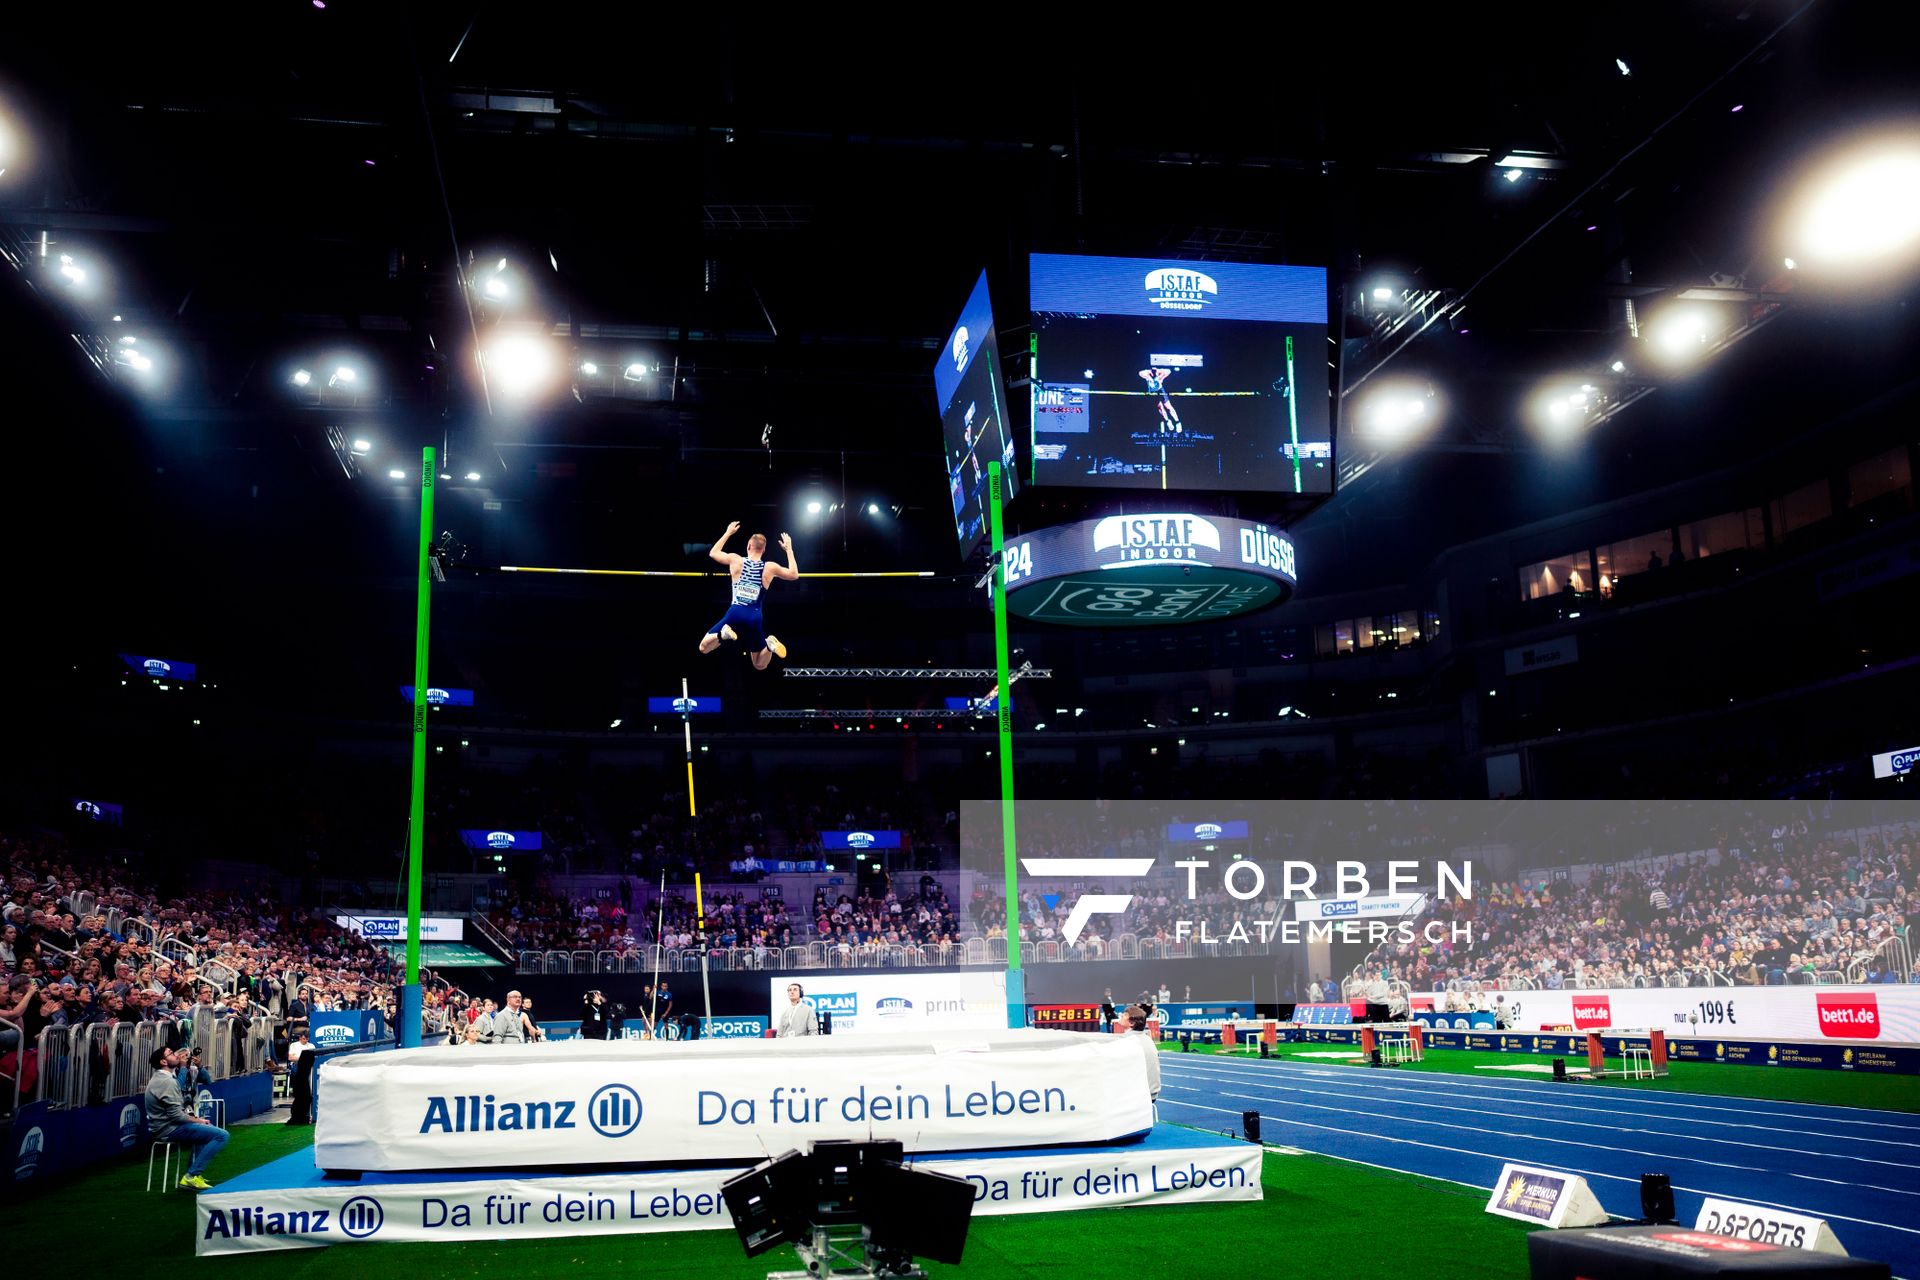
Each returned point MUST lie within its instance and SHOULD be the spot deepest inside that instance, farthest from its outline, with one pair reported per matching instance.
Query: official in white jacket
(798, 1018)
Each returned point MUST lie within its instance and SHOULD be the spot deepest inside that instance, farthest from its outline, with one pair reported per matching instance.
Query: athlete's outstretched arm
(790, 570)
(726, 557)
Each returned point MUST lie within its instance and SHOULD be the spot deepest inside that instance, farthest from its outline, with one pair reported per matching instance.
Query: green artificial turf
(1304, 1226)
(1784, 1084)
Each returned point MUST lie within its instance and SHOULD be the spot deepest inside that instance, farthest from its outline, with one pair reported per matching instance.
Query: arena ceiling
(780, 214)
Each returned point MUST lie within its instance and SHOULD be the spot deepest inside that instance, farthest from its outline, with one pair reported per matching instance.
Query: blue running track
(1858, 1169)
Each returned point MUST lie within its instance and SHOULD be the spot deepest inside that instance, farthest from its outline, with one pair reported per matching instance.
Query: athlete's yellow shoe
(779, 650)
(194, 1182)
(728, 633)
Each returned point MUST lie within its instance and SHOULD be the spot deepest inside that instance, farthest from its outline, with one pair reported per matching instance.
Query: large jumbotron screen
(1150, 374)
(973, 415)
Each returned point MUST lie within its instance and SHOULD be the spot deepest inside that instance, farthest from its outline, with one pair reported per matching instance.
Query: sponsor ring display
(1148, 570)
(289, 1205)
(592, 1102)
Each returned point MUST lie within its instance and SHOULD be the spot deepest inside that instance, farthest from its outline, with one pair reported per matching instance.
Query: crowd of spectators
(86, 939)
(1760, 907)
(880, 918)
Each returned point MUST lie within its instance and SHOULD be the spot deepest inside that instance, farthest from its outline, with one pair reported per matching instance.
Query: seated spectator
(170, 1120)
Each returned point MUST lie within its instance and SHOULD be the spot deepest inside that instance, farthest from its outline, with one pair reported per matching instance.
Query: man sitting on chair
(172, 1122)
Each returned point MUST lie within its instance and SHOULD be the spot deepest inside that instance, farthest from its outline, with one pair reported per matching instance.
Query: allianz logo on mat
(612, 1111)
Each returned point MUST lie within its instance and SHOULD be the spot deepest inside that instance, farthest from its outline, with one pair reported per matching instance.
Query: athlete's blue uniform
(744, 615)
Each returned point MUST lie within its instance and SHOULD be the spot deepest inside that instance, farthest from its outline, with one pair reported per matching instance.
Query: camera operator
(595, 1015)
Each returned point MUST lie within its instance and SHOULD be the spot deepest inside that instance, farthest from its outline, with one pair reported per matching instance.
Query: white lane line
(1486, 1155)
(1572, 1142)
(1902, 1120)
(1398, 1086)
(1663, 1101)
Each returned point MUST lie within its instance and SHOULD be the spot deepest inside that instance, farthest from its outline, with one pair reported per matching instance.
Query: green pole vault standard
(409, 1029)
(1293, 414)
(1016, 980)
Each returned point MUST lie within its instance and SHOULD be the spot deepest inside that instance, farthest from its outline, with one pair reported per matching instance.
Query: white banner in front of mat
(581, 1103)
(1890, 1013)
(625, 1203)
(918, 999)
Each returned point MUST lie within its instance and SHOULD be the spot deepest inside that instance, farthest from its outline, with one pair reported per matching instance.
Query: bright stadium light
(73, 271)
(1381, 293)
(343, 376)
(363, 446)
(1393, 414)
(1863, 208)
(521, 365)
(635, 372)
(1512, 175)
(1681, 333)
(813, 508)
(396, 474)
(873, 508)
(1622, 64)
(472, 476)
(301, 378)
(495, 287)
(1618, 366)
(589, 368)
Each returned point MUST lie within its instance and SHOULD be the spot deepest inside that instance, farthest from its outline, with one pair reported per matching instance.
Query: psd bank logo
(1089, 905)
(1180, 289)
(361, 1217)
(1592, 1011)
(500, 840)
(859, 839)
(893, 1007)
(614, 1110)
